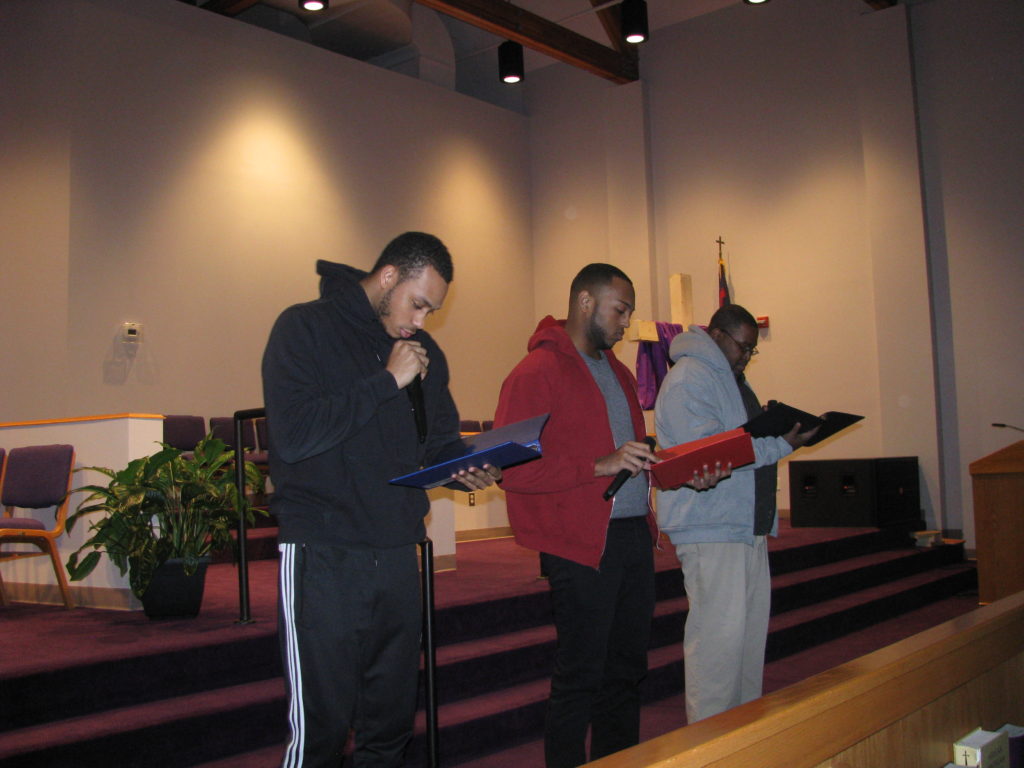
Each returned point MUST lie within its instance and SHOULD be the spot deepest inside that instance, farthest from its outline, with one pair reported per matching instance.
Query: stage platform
(486, 570)
(85, 684)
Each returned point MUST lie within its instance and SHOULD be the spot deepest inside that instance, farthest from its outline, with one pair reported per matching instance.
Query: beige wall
(755, 138)
(771, 161)
(181, 170)
(34, 211)
(590, 183)
(791, 131)
(971, 83)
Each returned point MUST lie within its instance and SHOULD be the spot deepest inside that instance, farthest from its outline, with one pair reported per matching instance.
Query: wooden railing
(903, 705)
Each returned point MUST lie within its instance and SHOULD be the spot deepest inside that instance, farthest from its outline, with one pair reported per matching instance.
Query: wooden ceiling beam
(229, 7)
(611, 19)
(513, 23)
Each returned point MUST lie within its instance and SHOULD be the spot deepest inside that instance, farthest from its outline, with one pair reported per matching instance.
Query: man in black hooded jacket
(340, 428)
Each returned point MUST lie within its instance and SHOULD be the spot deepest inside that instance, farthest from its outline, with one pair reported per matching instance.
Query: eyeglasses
(746, 349)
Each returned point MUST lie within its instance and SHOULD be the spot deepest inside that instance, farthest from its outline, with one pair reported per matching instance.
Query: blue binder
(501, 447)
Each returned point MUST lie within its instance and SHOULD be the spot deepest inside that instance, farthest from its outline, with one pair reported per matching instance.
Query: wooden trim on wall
(75, 419)
(481, 534)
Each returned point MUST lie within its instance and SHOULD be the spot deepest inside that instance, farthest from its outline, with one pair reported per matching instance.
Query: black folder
(501, 447)
(777, 419)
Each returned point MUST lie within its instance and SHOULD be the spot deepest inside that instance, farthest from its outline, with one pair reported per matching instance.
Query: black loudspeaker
(855, 492)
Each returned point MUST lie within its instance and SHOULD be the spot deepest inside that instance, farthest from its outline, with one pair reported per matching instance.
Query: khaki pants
(729, 590)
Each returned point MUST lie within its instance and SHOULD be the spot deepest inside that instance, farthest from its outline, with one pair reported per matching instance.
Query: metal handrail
(245, 616)
(429, 651)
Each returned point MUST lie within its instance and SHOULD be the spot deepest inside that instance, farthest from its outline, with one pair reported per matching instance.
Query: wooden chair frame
(45, 539)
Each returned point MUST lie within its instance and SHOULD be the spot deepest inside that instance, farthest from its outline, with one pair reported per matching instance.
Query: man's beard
(597, 336)
(383, 308)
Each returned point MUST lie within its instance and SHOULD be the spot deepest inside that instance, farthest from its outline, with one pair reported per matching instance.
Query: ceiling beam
(229, 7)
(540, 34)
(611, 19)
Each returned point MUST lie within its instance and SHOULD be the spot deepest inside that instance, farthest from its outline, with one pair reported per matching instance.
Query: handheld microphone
(419, 412)
(624, 474)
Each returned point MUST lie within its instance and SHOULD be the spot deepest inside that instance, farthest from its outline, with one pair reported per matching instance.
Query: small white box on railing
(984, 749)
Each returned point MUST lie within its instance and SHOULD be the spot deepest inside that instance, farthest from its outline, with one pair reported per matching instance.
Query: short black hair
(410, 252)
(730, 317)
(593, 276)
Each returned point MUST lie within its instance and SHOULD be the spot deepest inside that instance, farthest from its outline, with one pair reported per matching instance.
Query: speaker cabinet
(855, 492)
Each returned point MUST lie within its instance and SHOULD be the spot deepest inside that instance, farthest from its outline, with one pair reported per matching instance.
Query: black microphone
(1006, 426)
(419, 412)
(624, 474)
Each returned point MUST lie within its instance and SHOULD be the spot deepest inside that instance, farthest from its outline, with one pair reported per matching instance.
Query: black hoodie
(339, 426)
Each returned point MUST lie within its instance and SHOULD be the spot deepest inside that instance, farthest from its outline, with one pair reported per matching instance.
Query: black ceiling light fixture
(634, 20)
(755, 2)
(510, 62)
(313, 5)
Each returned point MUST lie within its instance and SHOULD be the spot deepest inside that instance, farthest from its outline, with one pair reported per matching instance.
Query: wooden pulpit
(998, 481)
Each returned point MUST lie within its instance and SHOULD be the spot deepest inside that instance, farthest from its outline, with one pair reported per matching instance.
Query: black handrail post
(243, 561)
(429, 652)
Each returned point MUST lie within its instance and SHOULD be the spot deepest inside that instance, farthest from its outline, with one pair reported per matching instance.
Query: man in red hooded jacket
(596, 553)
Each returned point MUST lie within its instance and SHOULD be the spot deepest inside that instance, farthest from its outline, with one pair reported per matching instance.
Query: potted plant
(164, 514)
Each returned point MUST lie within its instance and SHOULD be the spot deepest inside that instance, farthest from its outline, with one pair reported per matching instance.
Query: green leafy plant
(163, 506)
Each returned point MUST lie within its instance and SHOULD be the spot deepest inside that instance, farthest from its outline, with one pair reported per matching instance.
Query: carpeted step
(172, 732)
(786, 556)
(667, 714)
(470, 668)
(516, 612)
(110, 684)
(853, 543)
(828, 620)
(217, 701)
(813, 585)
(805, 587)
(507, 715)
(465, 669)
(804, 627)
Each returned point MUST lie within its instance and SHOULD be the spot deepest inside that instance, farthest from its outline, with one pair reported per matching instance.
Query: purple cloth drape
(652, 363)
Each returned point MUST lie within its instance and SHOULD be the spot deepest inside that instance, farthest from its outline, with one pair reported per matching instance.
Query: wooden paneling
(902, 705)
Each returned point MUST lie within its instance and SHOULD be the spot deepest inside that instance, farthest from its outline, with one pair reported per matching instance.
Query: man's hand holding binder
(798, 427)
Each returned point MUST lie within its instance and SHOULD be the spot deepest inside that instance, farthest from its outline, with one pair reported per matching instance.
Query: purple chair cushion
(25, 523)
(183, 432)
(37, 476)
(223, 427)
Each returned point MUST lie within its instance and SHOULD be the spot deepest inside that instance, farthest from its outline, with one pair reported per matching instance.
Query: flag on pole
(723, 286)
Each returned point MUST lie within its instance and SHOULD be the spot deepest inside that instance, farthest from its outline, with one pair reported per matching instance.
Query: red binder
(677, 464)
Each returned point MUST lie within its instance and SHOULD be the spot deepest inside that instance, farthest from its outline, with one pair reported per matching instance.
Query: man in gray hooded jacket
(719, 534)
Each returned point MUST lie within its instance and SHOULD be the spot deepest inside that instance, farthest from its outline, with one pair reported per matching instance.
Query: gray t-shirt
(631, 499)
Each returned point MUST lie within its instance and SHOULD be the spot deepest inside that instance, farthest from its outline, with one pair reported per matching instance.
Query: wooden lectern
(998, 481)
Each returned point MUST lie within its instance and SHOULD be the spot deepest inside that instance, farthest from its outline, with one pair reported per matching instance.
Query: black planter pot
(172, 593)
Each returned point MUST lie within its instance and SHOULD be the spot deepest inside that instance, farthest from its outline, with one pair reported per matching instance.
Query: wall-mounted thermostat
(131, 332)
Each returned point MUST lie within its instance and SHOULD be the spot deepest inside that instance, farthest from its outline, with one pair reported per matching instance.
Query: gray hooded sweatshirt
(700, 397)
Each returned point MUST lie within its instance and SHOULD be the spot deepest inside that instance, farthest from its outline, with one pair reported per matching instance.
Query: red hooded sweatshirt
(555, 503)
